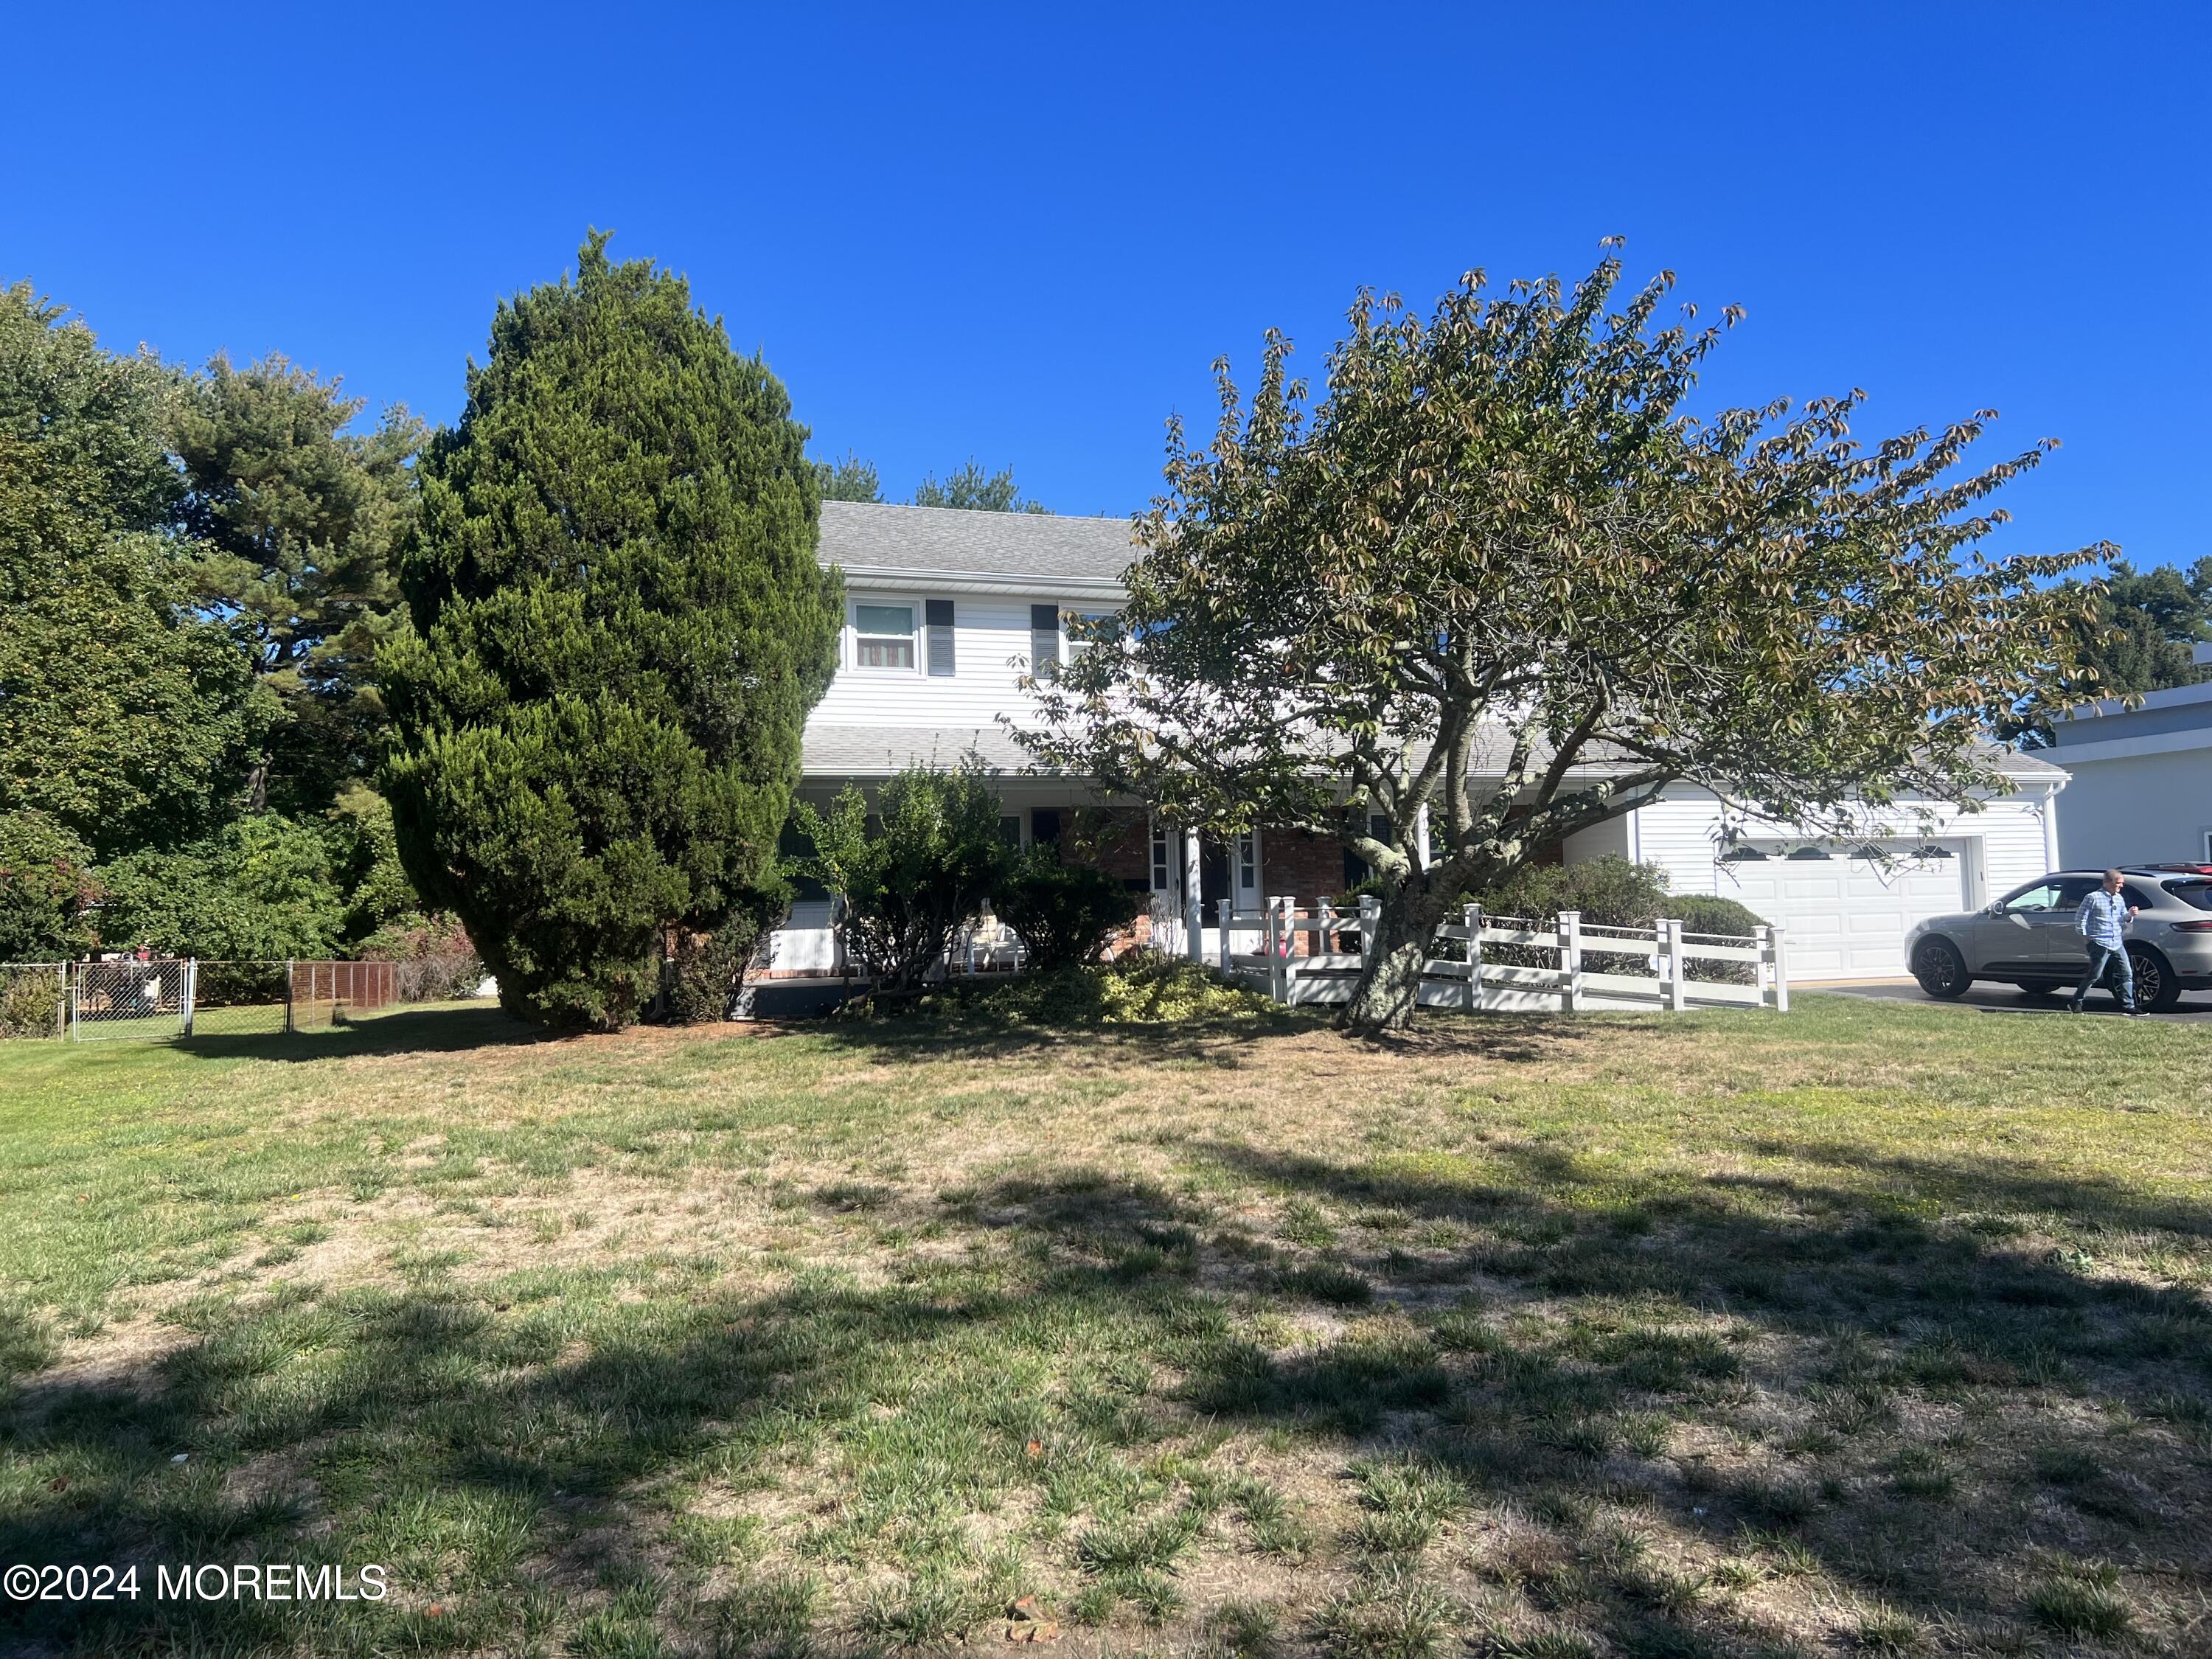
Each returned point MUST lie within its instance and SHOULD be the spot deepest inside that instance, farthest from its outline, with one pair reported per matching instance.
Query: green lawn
(1873, 1327)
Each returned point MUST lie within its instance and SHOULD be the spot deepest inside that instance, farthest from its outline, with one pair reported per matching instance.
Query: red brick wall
(1305, 866)
(1117, 840)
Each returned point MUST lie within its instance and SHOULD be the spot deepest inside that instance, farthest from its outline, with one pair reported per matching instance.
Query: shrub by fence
(33, 998)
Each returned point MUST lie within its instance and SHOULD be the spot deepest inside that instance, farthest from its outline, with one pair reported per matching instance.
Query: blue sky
(1022, 234)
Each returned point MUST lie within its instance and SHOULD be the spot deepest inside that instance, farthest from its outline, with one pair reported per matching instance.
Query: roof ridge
(994, 514)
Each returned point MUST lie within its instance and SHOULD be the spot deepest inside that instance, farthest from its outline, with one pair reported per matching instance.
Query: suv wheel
(2156, 988)
(1941, 969)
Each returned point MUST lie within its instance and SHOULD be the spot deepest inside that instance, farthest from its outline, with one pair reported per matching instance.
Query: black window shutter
(938, 614)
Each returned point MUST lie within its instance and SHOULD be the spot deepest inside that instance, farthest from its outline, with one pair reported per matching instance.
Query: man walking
(2103, 922)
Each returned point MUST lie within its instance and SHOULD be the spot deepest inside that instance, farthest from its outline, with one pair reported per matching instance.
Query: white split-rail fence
(1470, 981)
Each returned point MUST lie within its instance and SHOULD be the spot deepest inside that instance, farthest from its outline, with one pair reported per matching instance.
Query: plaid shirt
(2103, 918)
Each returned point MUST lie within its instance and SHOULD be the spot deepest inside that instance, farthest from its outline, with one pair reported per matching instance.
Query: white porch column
(1193, 913)
(2050, 817)
(1421, 834)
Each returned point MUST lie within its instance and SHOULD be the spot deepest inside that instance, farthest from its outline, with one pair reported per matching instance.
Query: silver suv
(2029, 937)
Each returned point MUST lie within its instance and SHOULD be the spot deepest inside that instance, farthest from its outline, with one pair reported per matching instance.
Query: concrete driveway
(2194, 1008)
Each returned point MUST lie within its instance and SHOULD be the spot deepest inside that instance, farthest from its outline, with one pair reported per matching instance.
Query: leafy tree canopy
(298, 521)
(123, 716)
(47, 890)
(1499, 582)
(618, 629)
(970, 487)
(261, 889)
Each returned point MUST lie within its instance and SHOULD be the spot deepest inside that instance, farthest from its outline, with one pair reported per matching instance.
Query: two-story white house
(945, 611)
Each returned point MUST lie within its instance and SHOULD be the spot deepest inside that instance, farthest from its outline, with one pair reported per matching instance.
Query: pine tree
(300, 521)
(968, 486)
(618, 629)
(849, 478)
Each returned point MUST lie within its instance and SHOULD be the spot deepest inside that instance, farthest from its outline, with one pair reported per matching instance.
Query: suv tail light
(2189, 926)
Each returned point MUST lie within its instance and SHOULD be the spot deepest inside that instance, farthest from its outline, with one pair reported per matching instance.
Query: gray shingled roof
(870, 535)
(846, 751)
(880, 750)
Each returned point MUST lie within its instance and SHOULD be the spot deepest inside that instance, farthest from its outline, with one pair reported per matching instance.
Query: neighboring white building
(946, 610)
(2142, 779)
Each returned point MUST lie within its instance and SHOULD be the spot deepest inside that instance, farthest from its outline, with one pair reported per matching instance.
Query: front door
(1212, 876)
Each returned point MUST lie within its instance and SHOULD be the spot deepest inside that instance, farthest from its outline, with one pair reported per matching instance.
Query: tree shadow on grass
(1572, 1343)
(930, 1036)
(411, 1031)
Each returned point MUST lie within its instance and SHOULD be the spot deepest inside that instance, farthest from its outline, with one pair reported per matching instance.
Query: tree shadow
(926, 1035)
(410, 1031)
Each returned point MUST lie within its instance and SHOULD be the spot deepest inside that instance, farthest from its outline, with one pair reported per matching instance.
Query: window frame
(2182, 886)
(2010, 905)
(917, 643)
(1071, 645)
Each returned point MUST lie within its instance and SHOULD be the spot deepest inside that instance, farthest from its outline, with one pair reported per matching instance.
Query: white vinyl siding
(989, 646)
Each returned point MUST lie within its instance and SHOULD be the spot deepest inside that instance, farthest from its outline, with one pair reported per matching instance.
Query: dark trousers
(2104, 959)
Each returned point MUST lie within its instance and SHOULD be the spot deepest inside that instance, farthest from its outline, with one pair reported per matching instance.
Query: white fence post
(1678, 990)
(1780, 947)
(1471, 916)
(192, 990)
(1193, 897)
(1370, 908)
(1222, 908)
(74, 988)
(1570, 957)
(1275, 986)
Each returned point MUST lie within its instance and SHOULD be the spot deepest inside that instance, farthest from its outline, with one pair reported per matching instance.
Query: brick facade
(1305, 866)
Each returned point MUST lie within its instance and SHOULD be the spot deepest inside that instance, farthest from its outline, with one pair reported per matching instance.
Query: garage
(1846, 915)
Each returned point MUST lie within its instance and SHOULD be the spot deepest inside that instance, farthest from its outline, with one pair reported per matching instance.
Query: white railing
(1471, 979)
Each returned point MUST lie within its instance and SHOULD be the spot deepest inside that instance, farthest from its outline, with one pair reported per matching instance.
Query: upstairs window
(938, 615)
(1077, 644)
(1044, 636)
(883, 637)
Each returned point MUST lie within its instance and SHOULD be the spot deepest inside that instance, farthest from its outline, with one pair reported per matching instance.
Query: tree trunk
(1389, 988)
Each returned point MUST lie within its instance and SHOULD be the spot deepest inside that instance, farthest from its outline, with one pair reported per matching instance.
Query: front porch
(1185, 878)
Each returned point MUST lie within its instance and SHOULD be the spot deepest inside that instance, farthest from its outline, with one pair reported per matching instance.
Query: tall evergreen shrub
(618, 629)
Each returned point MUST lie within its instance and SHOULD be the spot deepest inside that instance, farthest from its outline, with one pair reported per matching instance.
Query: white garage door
(1846, 916)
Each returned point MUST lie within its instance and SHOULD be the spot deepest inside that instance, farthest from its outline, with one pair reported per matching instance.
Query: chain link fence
(168, 999)
(128, 999)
